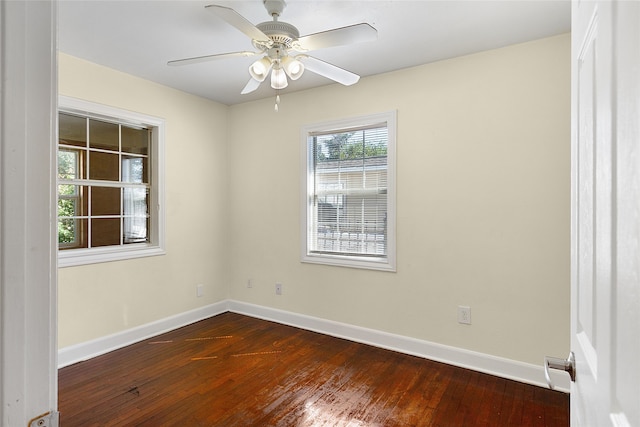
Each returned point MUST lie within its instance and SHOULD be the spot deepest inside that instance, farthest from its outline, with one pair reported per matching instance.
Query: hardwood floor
(233, 370)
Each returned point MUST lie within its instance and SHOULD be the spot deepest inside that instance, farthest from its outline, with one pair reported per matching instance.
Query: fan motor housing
(280, 32)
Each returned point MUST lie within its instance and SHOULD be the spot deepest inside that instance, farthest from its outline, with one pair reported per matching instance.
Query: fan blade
(240, 22)
(206, 58)
(337, 37)
(252, 85)
(329, 71)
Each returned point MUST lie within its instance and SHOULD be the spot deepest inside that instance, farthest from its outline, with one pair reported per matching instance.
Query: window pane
(136, 201)
(103, 135)
(67, 190)
(103, 166)
(71, 164)
(105, 201)
(105, 231)
(134, 169)
(72, 130)
(67, 207)
(72, 233)
(66, 231)
(71, 200)
(135, 141)
(135, 230)
(136, 211)
(67, 164)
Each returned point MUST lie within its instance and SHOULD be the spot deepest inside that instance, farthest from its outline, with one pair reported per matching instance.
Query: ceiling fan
(283, 51)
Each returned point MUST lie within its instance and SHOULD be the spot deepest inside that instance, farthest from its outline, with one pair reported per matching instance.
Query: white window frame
(73, 257)
(385, 263)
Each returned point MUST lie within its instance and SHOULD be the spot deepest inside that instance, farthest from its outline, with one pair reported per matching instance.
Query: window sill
(381, 264)
(75, 257)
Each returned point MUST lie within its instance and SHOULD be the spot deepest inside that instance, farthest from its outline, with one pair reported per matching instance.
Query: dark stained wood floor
(234, 370)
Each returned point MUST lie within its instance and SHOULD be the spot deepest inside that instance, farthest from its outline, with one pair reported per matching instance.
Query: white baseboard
(87, 350)
(498, 366)
(493, 365)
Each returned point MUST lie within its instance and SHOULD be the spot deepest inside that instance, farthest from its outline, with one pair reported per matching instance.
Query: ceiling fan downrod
(274, 7)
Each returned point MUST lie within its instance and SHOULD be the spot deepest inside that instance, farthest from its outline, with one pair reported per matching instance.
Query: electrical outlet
(199, 290)
(278, 288)
(464, 314)
(249, 283)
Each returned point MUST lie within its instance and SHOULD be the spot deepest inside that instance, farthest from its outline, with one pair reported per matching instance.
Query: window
(349, 192)
(110, 186)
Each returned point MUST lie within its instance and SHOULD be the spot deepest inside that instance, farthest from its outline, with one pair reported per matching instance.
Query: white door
(605, 242)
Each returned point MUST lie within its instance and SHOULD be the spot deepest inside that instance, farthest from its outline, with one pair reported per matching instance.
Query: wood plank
(234, 370)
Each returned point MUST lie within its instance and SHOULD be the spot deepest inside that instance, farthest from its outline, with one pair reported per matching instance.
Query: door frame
(28, 261)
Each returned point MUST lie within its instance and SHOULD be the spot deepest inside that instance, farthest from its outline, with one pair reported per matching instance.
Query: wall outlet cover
(464, 314)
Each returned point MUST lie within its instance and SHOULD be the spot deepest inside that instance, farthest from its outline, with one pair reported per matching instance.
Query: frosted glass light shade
(260, 69)
(292, 67)
(278, 79)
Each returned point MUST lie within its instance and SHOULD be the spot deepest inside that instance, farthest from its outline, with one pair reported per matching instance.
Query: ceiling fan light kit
(283, 50)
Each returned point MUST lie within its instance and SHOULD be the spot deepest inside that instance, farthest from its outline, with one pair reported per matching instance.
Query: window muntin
(349, 210)
(110, 184)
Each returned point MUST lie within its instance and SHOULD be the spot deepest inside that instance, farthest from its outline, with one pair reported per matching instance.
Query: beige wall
(482, 204)
(101, 299)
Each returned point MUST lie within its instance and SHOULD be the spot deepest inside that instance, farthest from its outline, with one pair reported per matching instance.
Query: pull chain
(277, 101)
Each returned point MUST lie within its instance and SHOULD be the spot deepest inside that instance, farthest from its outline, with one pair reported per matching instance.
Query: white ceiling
(139, 37)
